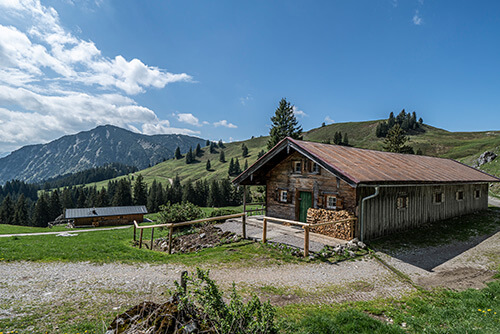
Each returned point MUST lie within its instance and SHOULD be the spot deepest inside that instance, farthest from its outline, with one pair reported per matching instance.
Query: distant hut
(117, 215)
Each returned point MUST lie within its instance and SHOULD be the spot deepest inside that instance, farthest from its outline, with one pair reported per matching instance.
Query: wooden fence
(171, 227)
(305, 226)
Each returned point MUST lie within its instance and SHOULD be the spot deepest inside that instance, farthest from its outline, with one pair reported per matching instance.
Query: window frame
(460, 195)
(327, 200)
(402, 202)
(477, 193)
(296, 163)
(438, 195)
(283, 196)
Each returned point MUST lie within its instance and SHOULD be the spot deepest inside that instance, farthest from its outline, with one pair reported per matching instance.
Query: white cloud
(188, 118)
(225, 123)
(298, 113)
(246, 99)
(54, 83)
(417, 19)
(328, 120)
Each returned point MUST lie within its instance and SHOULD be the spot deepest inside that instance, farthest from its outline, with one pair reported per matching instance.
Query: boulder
(486, 157)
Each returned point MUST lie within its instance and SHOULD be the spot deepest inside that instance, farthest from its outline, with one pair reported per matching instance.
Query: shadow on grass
(432, 245)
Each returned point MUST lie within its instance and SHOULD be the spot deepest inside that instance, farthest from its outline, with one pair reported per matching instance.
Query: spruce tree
(212, 147)
(345, 141)
(396, 140)
(177, 153)
(6, 211)
(189, 156)
(21, 216)
(198, 151)
(244, 150)
(260, 154)
(246, 165)
(67, 199)
(237, 168)
(208, 166)
(230, 169)
(55, 208)
(214, 196)
(102, 199)
(123, 194)
(222, 157)
(152, 203)
(284, 124)
(207, 143)
(188, 193)
(41, 212)
(140, 191)
(221, 144)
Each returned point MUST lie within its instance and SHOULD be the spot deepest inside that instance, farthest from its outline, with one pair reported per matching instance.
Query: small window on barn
(438, 198)
(297, 167)
(283, 196)
(314, 168)
(331, 202)
(460, 195)
(477, 193)
(402, 202)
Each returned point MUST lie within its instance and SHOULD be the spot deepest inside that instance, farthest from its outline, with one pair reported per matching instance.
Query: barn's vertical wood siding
(281, 177)
(382, 216)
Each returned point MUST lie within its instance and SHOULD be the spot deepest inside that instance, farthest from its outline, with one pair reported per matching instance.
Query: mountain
(87, 149)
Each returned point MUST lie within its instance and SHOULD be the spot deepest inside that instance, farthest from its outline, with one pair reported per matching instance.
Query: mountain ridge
(91, 148)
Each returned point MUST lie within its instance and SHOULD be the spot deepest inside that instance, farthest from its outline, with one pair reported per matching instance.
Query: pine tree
(41, 212)
(214, 196)
(123, 194)
(230, 169)
(140, 191)
(237, 168)
(21, 216)
(81, 198)
(246, 165)
(176, 190)
(188, 193)
(284, 124)
(345, 141)
(177, 153)
(212, 147)
(207, 143)
(221, 144)
(337, 138)
(189, 156)
(208, 166)
(396, 140)
(102, 199)
(55, 208)
(222, 157)
(244, 150)
(261, 153)
(152, 203)
(198, 151)
(391, 121)
(6, 211)
(67, 199)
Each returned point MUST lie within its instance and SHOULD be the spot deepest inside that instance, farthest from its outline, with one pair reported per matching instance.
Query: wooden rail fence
(171, 227)
(305, 226)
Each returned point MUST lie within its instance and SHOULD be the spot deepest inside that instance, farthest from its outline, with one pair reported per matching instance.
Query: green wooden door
(305, 203)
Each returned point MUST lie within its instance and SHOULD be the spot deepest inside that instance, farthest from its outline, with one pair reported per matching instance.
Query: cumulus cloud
(417, 19)
(328, 120)
(54, 83)
(225, 123)
(188, 118)
(298, 113)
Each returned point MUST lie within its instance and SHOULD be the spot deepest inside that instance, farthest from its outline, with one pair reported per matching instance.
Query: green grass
(116, 246)
(438, 311)
(15, 229)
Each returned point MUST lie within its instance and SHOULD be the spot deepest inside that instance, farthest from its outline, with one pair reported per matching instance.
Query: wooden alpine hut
(116, 215)
(387, 192)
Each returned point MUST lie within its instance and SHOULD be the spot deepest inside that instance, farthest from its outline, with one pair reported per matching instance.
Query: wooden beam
(244, 218)
(306, 241)
(264, 230)
(152, 236)
(140, 239)
(170, 235)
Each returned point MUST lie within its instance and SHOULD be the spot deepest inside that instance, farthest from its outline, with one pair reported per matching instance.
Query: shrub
(179, 212)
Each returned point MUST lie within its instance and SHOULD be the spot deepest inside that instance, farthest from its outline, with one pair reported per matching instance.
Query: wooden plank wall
(281, 177)
(383, 217)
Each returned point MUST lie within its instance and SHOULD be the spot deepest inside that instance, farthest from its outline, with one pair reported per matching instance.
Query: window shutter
(288, 197)
(339, 203)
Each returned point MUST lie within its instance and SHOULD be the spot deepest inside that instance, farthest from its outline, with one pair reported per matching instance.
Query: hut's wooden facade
(117, 215)
(386, 191)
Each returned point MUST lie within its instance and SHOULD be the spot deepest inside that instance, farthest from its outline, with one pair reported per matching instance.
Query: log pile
(342, 230)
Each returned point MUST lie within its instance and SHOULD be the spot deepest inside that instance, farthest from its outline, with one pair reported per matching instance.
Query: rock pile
(485, 158)
(350, 248)
(342, 230)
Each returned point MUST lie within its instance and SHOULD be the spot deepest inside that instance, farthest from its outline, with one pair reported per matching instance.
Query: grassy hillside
(462, 146)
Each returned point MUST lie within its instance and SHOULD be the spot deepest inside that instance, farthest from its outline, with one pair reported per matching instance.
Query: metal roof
(361, 166)
(107, 211)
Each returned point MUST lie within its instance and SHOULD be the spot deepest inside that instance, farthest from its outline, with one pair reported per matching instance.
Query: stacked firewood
(341, 230)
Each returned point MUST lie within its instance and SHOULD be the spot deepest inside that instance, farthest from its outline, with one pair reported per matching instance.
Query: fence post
(134, 231)
(152, 233)
(244, 226)
(170, 234)
(140, 238)
(264, 230)
(306, 241)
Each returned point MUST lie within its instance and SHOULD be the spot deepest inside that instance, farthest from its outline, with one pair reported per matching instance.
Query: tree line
(406, 121)
(19, 209)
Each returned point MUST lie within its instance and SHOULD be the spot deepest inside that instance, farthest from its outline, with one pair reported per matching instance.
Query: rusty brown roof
(369, 166)
(361, 166)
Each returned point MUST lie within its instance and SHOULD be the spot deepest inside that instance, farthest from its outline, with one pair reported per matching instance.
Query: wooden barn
(117, 215)
(386, 191)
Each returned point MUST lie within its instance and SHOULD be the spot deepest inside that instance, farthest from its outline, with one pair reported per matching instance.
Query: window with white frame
(297, 167)
(314, 168)
(331, 202)
(460, 195)
(438, 198)
(477, 193)
(283, 196)
(402, 202)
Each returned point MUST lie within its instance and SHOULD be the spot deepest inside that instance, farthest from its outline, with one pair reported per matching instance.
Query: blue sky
(217, 69)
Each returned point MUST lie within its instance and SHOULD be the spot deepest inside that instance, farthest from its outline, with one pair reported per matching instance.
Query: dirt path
(494, 201)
